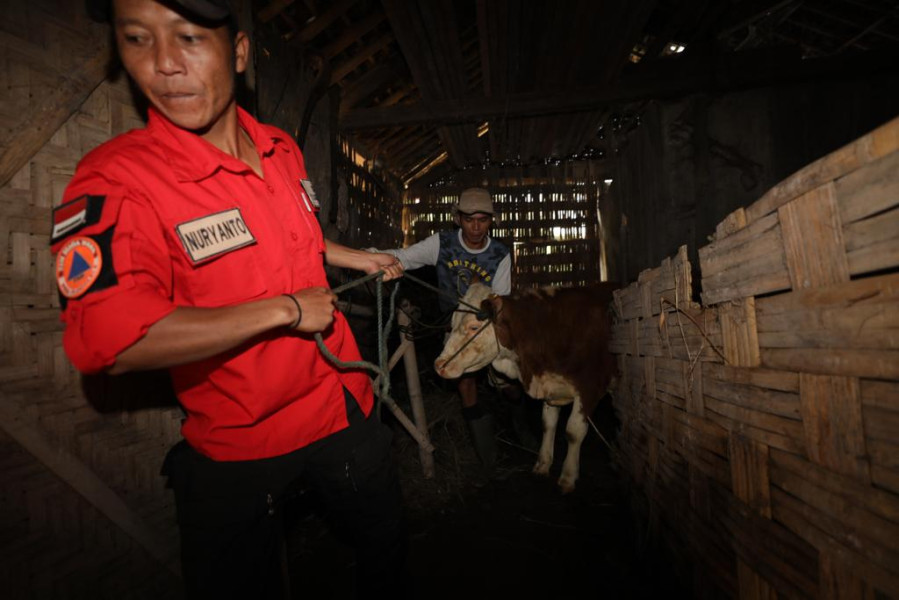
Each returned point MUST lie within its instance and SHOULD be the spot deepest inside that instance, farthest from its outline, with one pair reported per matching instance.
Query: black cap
(209, 10)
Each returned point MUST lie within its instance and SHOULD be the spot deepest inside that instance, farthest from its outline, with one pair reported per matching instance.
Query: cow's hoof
(566, 486)
(541, 469)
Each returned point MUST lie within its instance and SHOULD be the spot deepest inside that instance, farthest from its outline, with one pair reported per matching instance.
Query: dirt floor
(514, 537)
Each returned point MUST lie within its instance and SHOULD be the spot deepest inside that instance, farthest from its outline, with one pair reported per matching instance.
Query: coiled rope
(383, 333)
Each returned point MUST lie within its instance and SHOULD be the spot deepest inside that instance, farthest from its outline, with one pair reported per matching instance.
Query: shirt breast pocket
(231, 278)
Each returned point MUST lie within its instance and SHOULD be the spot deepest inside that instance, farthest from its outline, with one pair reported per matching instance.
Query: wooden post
(410, 361)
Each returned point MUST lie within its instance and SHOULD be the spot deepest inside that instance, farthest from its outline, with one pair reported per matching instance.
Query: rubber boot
(480, 425)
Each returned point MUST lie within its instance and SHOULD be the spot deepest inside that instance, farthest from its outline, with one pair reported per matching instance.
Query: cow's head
(472, 343)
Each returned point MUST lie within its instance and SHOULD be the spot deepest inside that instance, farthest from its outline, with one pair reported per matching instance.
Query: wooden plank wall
(83, 509)
(370, 210)
(761, 427)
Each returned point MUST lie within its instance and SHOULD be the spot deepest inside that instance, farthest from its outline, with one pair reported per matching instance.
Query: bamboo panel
(860, 314)
(880, 413)
(749, 473)
(781, 556)
(747, 263)
(813, 240)
(868, 191)
(816, 521)
(832, 418)
(881, 142)
(781, 393)
(876, 364)
(628, 302)
(669, 285)
(694, 431)
(762, 427)
(752, 390)
(739, 333)
(873, 244)
(670, 386)
(86, 513)
(690, 335)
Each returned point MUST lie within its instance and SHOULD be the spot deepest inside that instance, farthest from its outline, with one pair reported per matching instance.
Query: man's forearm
(338, 255)
(190, 334)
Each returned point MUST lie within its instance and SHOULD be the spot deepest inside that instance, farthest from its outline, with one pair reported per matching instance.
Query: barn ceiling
(448, 84)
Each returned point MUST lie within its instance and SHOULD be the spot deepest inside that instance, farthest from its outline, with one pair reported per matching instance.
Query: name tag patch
(310, 192)
(214, 234)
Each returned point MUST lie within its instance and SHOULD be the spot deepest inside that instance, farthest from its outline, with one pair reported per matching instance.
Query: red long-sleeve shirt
(159, 218)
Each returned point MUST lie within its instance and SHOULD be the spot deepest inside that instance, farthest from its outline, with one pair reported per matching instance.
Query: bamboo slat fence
(761, 427)
(83, 509)
(552, 227)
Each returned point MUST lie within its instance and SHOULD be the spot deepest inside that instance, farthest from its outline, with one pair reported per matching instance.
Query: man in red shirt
(193, 245)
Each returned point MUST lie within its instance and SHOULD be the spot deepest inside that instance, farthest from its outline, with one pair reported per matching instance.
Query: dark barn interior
(732, 164)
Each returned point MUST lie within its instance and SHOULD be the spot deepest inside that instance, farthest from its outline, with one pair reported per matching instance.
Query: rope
(454, 297)
(383, 332)
(381, 368)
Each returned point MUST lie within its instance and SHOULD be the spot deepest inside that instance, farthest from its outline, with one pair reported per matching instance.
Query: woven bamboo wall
(761, 428)
(83, 509)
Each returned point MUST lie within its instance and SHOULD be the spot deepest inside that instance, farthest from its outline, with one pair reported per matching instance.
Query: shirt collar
(192, 158)
(472, 250)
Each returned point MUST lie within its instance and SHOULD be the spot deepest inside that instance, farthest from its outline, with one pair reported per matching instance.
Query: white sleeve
(502, 282)
(418, 255)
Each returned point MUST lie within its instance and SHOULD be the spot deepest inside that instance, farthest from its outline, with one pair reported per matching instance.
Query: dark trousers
(231, 514)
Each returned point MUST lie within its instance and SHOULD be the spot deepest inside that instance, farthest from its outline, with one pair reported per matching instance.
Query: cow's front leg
(575, 431)
(545, 456)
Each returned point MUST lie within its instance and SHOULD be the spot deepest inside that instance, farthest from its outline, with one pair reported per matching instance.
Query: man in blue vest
(463, 256)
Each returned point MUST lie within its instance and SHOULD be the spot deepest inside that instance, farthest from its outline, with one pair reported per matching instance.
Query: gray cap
(209, 10)
(474, 200)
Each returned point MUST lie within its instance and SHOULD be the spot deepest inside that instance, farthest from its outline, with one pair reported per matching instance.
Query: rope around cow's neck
(381, 368)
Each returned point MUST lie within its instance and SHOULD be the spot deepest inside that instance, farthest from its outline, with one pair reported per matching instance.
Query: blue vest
(457, 268)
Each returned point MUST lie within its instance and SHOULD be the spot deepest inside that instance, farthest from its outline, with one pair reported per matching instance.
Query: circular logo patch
(78, 266)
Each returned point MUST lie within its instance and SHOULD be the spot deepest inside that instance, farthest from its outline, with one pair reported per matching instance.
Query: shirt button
(270, 189)
(293, 236)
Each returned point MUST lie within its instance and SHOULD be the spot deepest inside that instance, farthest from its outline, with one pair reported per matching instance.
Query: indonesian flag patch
(78, 266)
(74, 215)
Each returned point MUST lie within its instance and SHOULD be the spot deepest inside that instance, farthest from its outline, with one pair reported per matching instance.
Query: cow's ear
(493, 306)
(486, 312)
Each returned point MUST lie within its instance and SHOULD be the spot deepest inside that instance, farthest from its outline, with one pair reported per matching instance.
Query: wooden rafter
(672, 77)
(353, 34)
(51, 110)
(322, 21)
(398, 95)
(353, 63)
(370, 81)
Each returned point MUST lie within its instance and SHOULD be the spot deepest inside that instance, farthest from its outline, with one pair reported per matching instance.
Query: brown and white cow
(555, 340)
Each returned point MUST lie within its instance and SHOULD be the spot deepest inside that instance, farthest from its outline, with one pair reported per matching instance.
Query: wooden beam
(83, 480)
(428, 36)
(349, 66)
(369, 82)
(398, 95)
(321, 22)
(670, 77)
(353, 34)
(52, 109)
(272, 10)
(484, 45)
